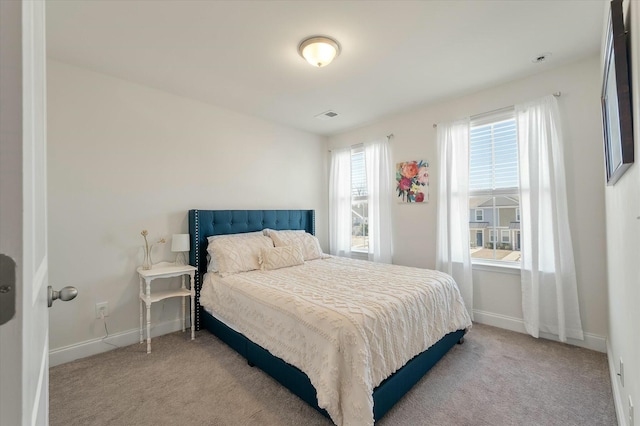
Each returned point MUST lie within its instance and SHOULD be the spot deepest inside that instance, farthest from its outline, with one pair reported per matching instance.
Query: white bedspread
(347, 324)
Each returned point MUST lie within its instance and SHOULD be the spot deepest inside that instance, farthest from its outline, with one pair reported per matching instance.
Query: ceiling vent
(538, 59)
(327, 115)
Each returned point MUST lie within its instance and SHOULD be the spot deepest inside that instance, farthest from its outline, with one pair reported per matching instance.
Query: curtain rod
(556, 94)
(389, 137)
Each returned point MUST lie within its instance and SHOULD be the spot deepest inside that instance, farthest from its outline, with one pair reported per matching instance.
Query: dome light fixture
(319, 51)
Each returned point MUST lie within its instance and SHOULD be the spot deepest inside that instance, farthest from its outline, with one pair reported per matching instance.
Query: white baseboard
(591, 341)
(615, 386)
(95, 346)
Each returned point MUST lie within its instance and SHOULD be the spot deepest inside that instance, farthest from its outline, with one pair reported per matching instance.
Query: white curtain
(340, 203)
(452, 240)
(379, 177)
(549, 288)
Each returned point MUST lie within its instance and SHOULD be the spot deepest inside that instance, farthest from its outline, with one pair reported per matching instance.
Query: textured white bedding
(348, 324)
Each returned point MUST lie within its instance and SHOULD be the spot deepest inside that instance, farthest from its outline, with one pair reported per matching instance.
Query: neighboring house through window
(494, 198)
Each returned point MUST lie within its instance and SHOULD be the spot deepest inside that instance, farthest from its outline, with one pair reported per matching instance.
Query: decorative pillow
(281, 257)
(310, 245)
(240, 254)
(212, 264)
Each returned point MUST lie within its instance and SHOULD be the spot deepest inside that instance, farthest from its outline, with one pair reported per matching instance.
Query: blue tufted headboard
(205, 223)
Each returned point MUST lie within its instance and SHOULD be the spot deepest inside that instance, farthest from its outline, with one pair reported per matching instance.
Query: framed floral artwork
(412, 181)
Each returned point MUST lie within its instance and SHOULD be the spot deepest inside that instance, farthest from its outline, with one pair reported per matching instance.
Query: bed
(368, 403)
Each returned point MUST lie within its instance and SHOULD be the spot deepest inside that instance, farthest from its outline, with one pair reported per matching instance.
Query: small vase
(146, 263)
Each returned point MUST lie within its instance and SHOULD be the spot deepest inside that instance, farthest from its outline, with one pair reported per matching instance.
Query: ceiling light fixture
(319, 51)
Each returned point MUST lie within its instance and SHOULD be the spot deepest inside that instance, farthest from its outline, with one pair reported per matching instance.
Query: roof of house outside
(501, 201)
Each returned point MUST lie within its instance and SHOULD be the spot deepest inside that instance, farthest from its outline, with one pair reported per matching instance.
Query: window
(494, 186)
(479, 215)
(359, 203)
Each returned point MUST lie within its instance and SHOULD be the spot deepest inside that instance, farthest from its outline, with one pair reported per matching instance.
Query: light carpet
(497, 377)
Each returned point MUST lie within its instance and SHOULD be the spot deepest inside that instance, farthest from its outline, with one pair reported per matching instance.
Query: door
(479, 242)
(24, 346)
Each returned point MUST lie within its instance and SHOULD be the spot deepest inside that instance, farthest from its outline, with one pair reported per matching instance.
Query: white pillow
(280, 257)
(310, 245)
(233, 255)
(212, 264)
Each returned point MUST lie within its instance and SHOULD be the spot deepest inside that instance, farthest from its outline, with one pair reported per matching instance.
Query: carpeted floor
(497, 377)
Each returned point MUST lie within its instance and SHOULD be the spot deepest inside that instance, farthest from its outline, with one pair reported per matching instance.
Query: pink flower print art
(412, 181)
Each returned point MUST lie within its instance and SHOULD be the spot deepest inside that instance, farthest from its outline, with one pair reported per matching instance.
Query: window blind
(493, 162)
(358, 174)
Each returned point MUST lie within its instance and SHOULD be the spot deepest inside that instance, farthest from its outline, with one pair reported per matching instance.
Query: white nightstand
(166, 270)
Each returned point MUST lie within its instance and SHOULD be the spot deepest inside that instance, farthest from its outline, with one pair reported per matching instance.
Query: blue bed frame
(205, 223)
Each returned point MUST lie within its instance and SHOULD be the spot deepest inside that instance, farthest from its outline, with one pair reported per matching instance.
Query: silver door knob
(66, 294)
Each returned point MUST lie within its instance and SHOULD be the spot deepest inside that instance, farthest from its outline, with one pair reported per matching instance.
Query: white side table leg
(148, 303)
(149, 328)
(184, 317)
(140, 300)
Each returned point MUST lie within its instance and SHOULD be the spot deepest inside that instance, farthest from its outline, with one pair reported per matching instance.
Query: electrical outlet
(621, 372)
(102, 309)
(630, 411)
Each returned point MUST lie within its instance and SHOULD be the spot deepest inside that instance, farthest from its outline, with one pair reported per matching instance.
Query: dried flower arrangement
(147, 264)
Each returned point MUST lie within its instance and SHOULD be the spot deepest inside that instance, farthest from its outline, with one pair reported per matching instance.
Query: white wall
(497, 295)
(623, 247)
(124, 157)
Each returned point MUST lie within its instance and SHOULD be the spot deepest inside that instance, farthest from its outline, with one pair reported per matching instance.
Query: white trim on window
(501, 266)
(480, 216)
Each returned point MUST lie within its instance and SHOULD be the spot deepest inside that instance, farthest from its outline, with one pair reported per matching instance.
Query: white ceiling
(396, 55)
